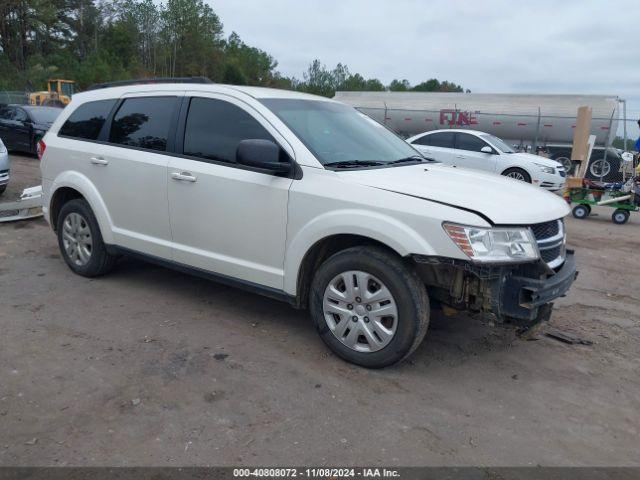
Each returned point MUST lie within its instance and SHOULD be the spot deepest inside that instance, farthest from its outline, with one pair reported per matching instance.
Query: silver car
(4, 167)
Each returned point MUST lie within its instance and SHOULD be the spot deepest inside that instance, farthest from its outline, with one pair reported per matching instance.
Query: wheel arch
(70, 185)
(318, 240)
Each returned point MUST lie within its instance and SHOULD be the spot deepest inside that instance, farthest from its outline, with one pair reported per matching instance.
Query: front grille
(551, 242)
(546, 229)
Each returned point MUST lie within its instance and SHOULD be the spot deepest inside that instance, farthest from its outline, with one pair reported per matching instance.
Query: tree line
(92, 41)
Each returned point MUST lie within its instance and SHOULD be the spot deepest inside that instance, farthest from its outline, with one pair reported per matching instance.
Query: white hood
(503, 200)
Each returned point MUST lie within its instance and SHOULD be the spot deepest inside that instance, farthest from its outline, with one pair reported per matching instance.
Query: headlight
(494, 245)
(546, 169)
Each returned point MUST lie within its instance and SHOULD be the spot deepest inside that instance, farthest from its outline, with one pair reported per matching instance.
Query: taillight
(40, 148)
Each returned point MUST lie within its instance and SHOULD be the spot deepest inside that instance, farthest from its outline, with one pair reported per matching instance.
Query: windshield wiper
(413, 158)
(353, 163)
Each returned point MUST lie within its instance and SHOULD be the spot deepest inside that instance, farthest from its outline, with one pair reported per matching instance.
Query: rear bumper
(526, 299)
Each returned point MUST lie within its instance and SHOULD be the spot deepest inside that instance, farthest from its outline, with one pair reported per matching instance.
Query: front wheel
(517, 174)
(369, 307)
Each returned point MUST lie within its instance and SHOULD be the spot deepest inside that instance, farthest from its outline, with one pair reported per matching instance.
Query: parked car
(21, 126)
(483, 151)
(4, 167)
(303, 199)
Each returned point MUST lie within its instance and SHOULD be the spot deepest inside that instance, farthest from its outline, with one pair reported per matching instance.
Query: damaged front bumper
(520, 294)
(522, 298)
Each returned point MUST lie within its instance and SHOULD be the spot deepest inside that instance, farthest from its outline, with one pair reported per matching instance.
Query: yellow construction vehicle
(58, 93)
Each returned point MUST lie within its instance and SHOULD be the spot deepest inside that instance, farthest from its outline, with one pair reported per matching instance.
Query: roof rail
(149, 81)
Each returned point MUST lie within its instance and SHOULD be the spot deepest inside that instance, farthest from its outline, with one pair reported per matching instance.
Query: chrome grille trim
(554, 245)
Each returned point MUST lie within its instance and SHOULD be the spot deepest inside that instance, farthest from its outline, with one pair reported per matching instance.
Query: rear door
(6, 126)
(128, 166)
(468, 154)
(439, 146)
(225, 217)
(22, 130)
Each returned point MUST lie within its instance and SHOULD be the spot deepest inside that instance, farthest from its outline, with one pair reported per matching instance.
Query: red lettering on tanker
(453, 117)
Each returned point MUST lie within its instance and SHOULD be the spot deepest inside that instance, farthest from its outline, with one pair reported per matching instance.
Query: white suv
(483, 151)
(300, 198)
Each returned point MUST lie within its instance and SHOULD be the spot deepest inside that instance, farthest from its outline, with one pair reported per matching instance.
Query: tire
(407, 307)
(620, 217)
(517, 174)
(581, 211)
(605, 169)
(566, 163)
(75, 221)
(2, 189)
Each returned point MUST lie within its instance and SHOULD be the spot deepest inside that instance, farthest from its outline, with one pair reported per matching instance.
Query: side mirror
(487, 149)
(263, 154)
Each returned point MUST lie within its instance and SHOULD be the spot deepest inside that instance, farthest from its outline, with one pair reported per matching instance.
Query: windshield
(337, 133)
(498, 143)
(44, 114)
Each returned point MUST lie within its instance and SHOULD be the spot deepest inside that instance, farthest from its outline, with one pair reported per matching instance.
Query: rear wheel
(80, 240)
(517, 174)
(368, 307)
(581, 211)
(620, 217)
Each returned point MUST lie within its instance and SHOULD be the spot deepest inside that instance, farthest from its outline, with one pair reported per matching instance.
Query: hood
(529, 157)
(502, 200)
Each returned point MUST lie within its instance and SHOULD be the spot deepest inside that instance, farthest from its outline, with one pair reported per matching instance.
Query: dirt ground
(147, 366)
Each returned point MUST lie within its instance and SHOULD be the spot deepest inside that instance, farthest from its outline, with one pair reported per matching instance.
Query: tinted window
(215, 128)
(469, 142)
(20, 115)
(143, 122)
(426, 140)
(87, 120)
(442, 139)
(6, 113)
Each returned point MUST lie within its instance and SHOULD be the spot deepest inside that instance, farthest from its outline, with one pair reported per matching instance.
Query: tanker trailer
(525, 121)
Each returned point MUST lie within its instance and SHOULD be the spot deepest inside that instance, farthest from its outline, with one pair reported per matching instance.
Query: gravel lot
(147, 366)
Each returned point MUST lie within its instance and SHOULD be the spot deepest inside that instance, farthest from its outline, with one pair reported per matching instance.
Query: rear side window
(442, 139)
(469, 142)
(143, 122)
(425, 140)
(214, 129)
(87, 120)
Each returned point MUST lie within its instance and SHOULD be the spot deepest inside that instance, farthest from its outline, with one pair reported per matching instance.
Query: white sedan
(483, 151)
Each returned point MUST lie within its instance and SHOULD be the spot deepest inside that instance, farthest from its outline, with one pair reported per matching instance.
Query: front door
(226, 218)
(469, 154)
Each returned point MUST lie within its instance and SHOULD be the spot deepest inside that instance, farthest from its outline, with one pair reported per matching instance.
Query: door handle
(461, 156)
(183, 176)
(99, 161)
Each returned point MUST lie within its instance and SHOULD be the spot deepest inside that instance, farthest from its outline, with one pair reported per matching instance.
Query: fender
(383, 228)
(82, 184)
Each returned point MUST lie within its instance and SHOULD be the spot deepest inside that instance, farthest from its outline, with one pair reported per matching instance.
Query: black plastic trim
(206, 274)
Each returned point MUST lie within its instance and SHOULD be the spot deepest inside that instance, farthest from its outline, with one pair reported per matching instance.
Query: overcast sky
(488, 46)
